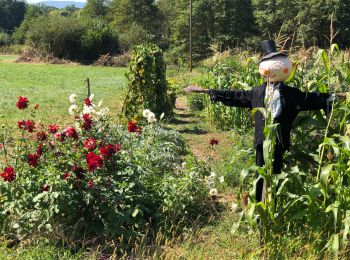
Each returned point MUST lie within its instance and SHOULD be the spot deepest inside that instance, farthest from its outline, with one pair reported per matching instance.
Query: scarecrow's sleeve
(233, 98)
(314, 101)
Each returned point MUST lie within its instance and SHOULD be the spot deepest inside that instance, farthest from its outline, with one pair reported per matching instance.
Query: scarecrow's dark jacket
(292, 102)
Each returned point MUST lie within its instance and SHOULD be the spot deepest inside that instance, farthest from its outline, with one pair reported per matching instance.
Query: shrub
(94, 178)
(147, 87)
(196, 102)
(72, 38)
(5, 39)
(98, 38)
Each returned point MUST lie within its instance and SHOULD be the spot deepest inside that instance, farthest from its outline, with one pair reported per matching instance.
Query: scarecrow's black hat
(269, 49)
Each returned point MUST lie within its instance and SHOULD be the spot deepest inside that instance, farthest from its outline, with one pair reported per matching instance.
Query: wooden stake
(190, 35)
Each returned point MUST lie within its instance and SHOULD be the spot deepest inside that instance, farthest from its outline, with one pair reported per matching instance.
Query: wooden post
(190, 35)
(88, 87)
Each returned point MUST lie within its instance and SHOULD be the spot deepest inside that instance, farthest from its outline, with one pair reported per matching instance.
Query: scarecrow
(283, 101)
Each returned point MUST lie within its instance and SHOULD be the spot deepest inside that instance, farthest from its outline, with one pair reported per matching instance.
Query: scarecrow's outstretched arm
(234, 98)
(314, 101)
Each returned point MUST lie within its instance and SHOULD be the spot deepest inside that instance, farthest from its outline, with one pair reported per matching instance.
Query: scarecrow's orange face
(276, 69)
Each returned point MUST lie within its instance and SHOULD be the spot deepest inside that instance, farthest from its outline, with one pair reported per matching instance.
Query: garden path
(198, 132)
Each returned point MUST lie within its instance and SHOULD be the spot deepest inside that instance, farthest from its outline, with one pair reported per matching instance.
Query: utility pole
(190, 35)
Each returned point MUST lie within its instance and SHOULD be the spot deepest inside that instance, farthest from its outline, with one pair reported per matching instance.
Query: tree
(11, 14)
(342, 21)
(227, 23)
(140, 15)
(313, 21)
(275, 16)
(32, 12)
(95, 8)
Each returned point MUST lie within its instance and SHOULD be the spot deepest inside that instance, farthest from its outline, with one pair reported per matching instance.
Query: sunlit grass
(50, 86)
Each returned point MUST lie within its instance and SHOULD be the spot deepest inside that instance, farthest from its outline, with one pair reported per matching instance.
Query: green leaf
(236, 225)
(16, 226)
(244, 174)
(134, 214)
(334, 208)
(291, 76)
(322, 54)
(345, 239)
(325, 173)
(334, 46)
(335, 244)
(262, 110)
(250, 214)
(38, 197)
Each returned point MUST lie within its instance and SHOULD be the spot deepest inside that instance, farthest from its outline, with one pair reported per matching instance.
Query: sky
(37, 1)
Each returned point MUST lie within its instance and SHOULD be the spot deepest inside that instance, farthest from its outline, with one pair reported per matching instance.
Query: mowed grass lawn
(50, 86)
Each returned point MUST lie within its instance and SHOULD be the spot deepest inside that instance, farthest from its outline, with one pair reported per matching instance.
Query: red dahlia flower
(33, 159)
(87, 122)
(41, 136)
(8, 174)
(39, 151)
(90, 143)
(79, 172)
(213, 142)
(90, 184)
(26, 125)
(133, 127)
(22, 102)
(104, 152)
(118, 147)
(66, 175)
(22, 124)
(30, 126)
(53, 128)
(70, 132)
(59, 136)
(87, 102)
(108, 150)
(94, 161)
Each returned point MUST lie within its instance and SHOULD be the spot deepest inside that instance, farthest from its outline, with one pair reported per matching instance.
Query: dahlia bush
(93, 178)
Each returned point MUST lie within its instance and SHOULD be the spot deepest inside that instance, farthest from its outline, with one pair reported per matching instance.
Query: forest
(116, 26)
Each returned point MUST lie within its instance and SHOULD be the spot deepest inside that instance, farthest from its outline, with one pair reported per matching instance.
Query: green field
(50, 86)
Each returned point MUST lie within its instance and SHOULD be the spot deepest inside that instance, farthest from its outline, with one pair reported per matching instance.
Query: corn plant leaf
(291, 76)
(334, 46)
(334, 208)
(322, 54)
(244, 174)
(262, 110)
(335, 244)
(250, 214)
(325, 173)
(345, 239)
(236, 225)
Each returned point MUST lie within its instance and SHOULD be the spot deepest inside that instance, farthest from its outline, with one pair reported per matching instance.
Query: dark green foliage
(5, 39)
(148, 87)
(95, 8)
(32, 12)
(225, 23)
(196, 102)
(11, 14)
(72, 38)
(141, 16)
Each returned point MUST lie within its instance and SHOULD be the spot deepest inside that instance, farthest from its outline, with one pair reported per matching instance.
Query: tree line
(118, 25)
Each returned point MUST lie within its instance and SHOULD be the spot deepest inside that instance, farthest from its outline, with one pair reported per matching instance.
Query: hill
(62, 4)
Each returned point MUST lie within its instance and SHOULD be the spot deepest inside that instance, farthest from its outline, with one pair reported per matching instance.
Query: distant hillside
(63, 4)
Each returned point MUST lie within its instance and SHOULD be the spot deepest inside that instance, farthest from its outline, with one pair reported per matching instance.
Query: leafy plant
(94, 178)
(147, 87)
